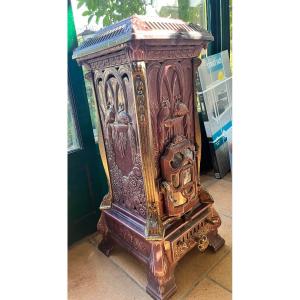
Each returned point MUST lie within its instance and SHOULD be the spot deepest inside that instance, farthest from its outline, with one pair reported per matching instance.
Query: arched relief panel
(100, 99)
(126, 76)
(114, 90)
(153, 70)
(170, 89)
(189, 90)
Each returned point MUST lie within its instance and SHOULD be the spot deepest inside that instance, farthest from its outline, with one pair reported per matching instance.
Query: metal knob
(202, 241)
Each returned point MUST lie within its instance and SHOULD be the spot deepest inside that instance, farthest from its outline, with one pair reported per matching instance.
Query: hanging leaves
(90, 18)
(86, 13)
(80, 3)
(112, 11)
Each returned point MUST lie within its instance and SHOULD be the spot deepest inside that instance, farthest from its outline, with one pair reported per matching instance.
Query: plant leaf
(106, 21)
(86, 13)
(90, 18)
(80, 3)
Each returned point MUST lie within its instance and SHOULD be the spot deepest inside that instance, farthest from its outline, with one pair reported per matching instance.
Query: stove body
(143, 70)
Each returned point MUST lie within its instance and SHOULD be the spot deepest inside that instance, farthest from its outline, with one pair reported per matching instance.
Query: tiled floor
(207, 276)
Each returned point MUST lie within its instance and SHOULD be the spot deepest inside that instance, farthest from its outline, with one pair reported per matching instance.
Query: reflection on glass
(187, 176)
(92, 106)
(177, 160)
(192, 11)
(73, 142)
(189, 153)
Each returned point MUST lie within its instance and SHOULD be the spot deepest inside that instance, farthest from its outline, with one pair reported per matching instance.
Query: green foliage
(112, 10)
(183, 10)
(169, 11)
(191, 14)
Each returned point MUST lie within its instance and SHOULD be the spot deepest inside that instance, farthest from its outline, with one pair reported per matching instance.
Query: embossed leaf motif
(121, 143)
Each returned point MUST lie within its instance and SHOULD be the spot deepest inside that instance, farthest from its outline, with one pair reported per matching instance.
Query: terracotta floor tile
(228, 177)
(94, 238)
(225, 230)
(222, 193)
(130, 265)
(222, 272)
(127, 262)
(208, 290)
(207, 180)
(93, 276)
(194, 266)
(209, 173)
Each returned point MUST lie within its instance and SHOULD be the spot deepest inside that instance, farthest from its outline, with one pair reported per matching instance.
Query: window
(193, 11)
(73, 142)
(84, 31)
(92, 106)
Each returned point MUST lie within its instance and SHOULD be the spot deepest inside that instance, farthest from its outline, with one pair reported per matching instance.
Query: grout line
(217, 281)
(115, 264)
(122, 270)
(207, 184)
(128, 275)
(82, 240)
(205, 274)
(143, 288)
(220, 213)
(219, 284)
(230, 181)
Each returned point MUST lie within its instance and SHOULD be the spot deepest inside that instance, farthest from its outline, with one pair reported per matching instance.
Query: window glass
(84, 31)
(193, 11)
(73, 142)
(92, 105)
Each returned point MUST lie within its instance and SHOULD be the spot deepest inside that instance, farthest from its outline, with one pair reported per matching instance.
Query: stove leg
(161, 280)
(215, 241)
(106, 244)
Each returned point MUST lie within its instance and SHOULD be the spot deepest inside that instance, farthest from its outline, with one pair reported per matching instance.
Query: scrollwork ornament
(89, 76)
(114, 59)
(127, 235)
(198, 236)
(164, 53)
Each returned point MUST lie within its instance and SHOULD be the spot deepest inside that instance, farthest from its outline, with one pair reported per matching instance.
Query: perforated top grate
(140, 27)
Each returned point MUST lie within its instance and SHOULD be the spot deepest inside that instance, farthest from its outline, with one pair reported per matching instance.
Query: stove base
(161, 257)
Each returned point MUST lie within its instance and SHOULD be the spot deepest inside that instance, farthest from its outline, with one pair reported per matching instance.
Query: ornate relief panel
(129, 237)
(179, 176)
(171, 93)
(113, 86)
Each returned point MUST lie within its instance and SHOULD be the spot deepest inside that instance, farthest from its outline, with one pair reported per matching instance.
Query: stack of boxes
(216, 109)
